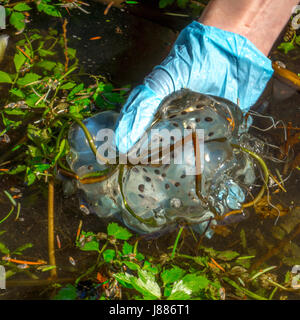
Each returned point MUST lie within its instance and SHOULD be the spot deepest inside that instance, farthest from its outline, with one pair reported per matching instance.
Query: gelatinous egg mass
(188, 168)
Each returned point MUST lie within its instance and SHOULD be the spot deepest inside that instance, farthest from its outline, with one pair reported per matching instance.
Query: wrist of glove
(204, 59)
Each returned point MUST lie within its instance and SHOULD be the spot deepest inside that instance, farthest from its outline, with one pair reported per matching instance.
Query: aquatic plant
(121, 271)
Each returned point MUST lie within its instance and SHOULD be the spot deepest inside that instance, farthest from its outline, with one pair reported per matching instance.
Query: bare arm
(260, 21)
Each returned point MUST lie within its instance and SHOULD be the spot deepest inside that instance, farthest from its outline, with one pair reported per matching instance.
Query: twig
(10, 212)
(65, 44)
(25, 54)
(108, 7)
(79, 230)
(277, 182)
(33, 263)
(53, 273)
(287, 74)
(216, 264)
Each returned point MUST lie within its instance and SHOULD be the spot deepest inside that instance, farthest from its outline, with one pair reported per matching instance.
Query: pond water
(130, 46)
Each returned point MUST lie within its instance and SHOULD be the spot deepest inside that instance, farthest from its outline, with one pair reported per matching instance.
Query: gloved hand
(204, 59)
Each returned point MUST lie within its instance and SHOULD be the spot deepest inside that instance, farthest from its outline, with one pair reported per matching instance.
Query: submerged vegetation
(40, 98)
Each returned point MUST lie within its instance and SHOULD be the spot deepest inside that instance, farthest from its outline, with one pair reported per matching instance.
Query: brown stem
(65, 44)
(53, 272)
(290, 76)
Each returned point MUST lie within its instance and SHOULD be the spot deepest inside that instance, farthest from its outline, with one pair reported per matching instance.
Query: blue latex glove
(206, 60)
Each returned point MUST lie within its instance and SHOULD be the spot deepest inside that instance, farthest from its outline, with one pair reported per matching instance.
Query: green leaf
(30, 178)
(2, 232)
(21, 6)
(19, 60)
(179, 294)
(59, 69)
(180, 291)
(29, 78)
(195, 282)
(182, 3)
(154, 269)
(34, 151)
(90, 246)
(139, 256)
(167, 290)
(146, 284)
(124, 279)
(43, 52)
(286, 47)
(75, 90)
(53, 32)
(3, 248)
(243, 239)
(4, 77)
(227, 255)
(131, 265)
(46, 268)
(41, 167)
(17, 92)
(46, 64)
(109, 255)
(297, 40)
(67, 293)
(71, 53)
(17, 19)
(37, 135)
(201, 260)
(48, 9)
(35, 36)
(68, 85)
(60, 151)
(165, 3)
(127, 248)
(189, 285)
(16, 112)
(8, 11)
(118, 232)
(20, 249)
(172, 275)
(31, 99)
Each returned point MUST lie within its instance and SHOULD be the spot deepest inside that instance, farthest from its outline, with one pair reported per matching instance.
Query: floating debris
(58, 242)
(14, 190)
(23, 266)
(5, 138)
(222, 293)
(72, 261)
(84, 209)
